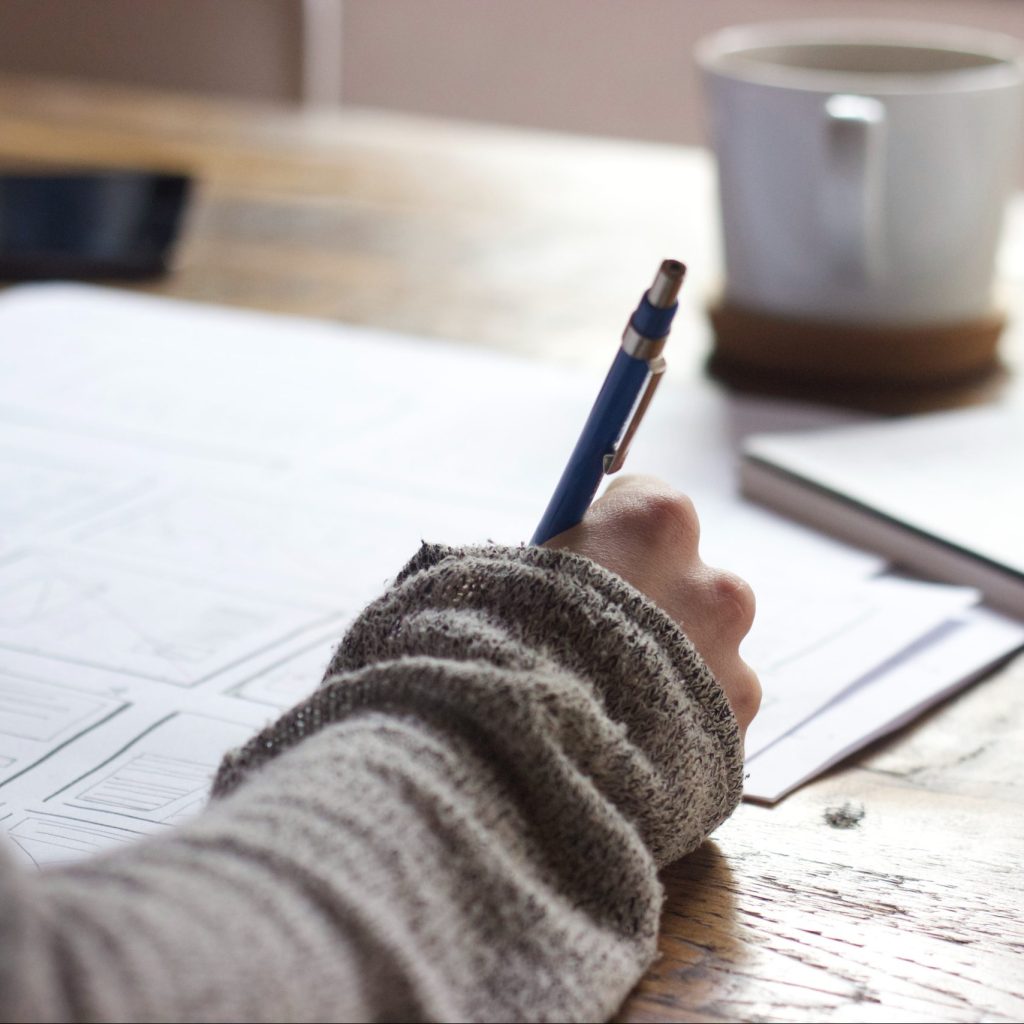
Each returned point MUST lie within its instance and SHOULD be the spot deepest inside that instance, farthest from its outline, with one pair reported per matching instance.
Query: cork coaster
(931, 365)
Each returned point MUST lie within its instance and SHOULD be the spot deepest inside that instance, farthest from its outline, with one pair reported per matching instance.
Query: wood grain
(530, 243)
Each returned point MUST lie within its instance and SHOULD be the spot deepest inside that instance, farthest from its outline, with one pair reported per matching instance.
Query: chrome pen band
(636, 345)
(613, 461)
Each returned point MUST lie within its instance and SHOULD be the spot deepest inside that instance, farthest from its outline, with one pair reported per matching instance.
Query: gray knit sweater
(465, 822)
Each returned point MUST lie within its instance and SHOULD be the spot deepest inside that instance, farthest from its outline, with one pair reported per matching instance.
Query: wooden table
(531, 243)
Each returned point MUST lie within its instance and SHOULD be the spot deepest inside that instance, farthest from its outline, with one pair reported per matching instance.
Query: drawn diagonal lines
(52, 839)
(45, 597)
(67, 598)
(172, 630)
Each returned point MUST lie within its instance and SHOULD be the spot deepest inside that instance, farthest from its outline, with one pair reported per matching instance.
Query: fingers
(744, 695)
(716, 611)
(742, 689)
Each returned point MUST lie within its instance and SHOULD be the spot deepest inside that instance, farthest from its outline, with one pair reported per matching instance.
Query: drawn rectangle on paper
(163, 775)
(169, 630)
(289, 680)
(37, 717)
(45, 712)
(296, 540)
(56, 839)
(38, 492)
(293, 542)
(147, 785)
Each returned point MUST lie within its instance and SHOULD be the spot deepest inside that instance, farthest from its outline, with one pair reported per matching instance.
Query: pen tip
(667, 283)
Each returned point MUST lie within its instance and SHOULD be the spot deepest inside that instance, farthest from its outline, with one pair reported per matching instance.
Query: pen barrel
(604, 427)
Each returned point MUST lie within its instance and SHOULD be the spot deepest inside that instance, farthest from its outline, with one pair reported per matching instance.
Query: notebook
(941, 495)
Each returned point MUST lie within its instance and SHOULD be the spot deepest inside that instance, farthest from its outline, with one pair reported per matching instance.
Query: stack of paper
(193, 501)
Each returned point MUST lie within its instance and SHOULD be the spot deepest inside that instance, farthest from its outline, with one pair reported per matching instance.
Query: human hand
(647, 533)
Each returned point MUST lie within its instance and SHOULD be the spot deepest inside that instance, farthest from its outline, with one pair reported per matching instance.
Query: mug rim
(713, 53)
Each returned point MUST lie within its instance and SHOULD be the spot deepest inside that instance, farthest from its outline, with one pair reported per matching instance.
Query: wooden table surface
(531, 243)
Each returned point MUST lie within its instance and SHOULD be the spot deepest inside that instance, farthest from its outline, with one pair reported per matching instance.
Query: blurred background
(589, 66)
(314, 194)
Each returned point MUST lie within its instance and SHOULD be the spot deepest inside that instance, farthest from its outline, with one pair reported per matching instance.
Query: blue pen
(605, 439)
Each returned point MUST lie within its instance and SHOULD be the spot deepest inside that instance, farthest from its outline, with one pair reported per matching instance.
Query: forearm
(465, 823)
(419, 895)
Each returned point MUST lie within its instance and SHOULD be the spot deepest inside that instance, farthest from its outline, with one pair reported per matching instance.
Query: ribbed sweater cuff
(675, 767)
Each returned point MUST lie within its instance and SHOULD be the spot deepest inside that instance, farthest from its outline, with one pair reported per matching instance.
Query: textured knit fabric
(464, 822)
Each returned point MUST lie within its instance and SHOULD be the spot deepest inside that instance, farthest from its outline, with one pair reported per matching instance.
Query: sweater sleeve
(464, 822)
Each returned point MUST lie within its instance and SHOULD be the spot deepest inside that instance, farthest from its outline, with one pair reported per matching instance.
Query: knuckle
(746, 696)
(736, 600)
(669, 515)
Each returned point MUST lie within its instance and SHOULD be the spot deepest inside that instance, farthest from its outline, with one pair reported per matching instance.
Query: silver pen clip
(614, 460)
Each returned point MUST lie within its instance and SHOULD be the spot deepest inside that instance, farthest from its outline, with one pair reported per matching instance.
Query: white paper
(814, 648)
(884, 701)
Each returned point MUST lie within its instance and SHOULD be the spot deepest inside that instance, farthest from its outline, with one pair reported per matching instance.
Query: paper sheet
(194, 501)
(809, 652)
(884, 701)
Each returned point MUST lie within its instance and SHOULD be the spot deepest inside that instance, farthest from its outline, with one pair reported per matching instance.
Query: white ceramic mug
(864, 167)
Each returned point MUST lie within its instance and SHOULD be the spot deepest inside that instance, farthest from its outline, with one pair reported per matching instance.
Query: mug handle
(851, 192)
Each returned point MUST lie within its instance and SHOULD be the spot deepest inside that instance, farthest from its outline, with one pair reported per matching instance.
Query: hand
(647, 533)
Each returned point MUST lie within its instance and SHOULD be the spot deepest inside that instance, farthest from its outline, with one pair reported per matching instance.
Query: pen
(605, 439)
